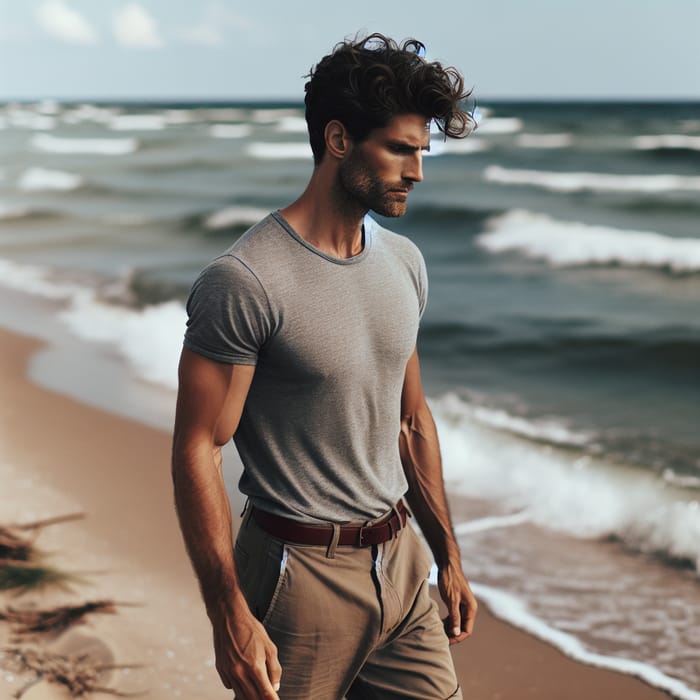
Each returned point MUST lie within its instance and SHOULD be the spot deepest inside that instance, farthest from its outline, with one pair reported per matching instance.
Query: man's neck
(325, 220)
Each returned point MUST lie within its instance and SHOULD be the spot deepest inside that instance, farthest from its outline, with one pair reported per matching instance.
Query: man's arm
(210, 402)
(420, 456)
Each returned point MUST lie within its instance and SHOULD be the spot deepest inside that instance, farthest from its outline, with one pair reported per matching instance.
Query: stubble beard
(364, 190)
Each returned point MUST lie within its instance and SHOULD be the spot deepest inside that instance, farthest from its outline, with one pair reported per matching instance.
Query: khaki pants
(357, 622)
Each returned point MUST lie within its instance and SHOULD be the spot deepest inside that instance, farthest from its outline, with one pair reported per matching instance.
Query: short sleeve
(422, 285)
(229, 316)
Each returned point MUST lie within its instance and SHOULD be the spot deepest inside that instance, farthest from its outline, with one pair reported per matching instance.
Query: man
(301, 345)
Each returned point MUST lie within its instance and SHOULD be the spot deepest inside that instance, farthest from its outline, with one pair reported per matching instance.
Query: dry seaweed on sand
(57, 619)
(17, 540)
(20, 577)
(80, 675)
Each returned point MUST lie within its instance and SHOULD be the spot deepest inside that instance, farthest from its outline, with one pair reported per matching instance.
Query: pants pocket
(260, 564)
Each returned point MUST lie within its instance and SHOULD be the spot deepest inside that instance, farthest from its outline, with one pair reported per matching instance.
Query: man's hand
(246, 658)
(460, 601)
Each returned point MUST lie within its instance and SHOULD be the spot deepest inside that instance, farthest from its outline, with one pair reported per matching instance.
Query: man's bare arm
(210, 402)
(420, 456)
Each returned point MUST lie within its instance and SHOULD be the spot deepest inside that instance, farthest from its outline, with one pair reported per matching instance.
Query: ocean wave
(272, 115)
(150, 338)
(514, 611)
(234, 216)
(9, 212)
(565, 490)
(664, 141)
(547, 430)
(37, 280)
(92, 146)
(138, 122)
(544, 140)
(89, 113)
(567, 243)
(594, 182)
(440, 147)
(685, 481)
(294, 150)
(292, 124)
(43, 179)
(674, 347)
(500, 125)
(230, 131)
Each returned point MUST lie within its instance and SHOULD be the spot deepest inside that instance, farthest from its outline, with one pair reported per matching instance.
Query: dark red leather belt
(357, 535)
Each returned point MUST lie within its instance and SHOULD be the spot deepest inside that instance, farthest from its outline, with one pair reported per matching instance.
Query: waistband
(294, 532)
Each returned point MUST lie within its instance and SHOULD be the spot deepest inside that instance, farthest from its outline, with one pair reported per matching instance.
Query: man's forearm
(420, 456)
(205, 520)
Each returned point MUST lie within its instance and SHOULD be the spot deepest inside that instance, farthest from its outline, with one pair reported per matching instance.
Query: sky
(229, 50)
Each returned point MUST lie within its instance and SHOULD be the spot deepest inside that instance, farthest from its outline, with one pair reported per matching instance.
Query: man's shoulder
(259, 239)
(395, 243)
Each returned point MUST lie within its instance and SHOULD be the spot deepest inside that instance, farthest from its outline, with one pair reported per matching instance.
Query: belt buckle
(360, 542)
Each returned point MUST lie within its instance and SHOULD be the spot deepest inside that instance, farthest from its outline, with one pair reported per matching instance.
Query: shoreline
(66, 457)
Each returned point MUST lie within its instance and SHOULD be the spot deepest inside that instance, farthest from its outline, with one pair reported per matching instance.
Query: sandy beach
(60, 456)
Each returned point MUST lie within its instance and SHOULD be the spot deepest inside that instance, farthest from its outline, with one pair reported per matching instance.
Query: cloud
(205, 34)
(61, 22)
(134, 28)
(218, 20)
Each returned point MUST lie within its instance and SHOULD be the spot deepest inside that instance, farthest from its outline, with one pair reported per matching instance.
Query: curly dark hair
(364, 83)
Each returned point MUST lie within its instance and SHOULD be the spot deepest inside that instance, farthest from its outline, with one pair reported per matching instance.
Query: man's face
(379, 172)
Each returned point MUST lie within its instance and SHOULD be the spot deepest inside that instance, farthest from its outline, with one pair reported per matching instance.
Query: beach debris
(80, 675)
(17, 545)
(21, 576)
(57, 619)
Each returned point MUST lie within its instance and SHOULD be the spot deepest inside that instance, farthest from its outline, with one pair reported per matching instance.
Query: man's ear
(338, 141)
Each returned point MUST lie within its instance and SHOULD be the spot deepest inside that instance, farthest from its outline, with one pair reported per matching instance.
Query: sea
(560, 348)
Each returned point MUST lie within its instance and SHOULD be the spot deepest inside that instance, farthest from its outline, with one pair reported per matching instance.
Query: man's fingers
(469, 616)
(274, 670)
(266, 686)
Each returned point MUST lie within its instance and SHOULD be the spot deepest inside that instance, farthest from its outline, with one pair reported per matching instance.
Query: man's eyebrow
(404, 146)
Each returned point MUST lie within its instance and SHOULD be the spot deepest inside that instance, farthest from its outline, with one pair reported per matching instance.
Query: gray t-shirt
(330, 338)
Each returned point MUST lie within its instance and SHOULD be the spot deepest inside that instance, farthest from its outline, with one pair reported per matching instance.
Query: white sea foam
(104, 147)
(544, 429)
(89, 113)
(491, 523)
(24, 118)
(150, 338)
(234, 216)
(178, 116)
(685, 481)
(12, 211)
(138, 122)
(594, 182)
(42, 179)
(50, 107)
(36, 280)
(512, 610)
(439, 147)
(292, 124)
(544, 140)
(230, 131)
(500, 125)
(562, 489)
(646, 143)
(272, 115)
(566, 243)
(279, 151)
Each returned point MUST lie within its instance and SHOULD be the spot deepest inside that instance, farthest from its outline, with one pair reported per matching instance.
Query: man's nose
(414, 167)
